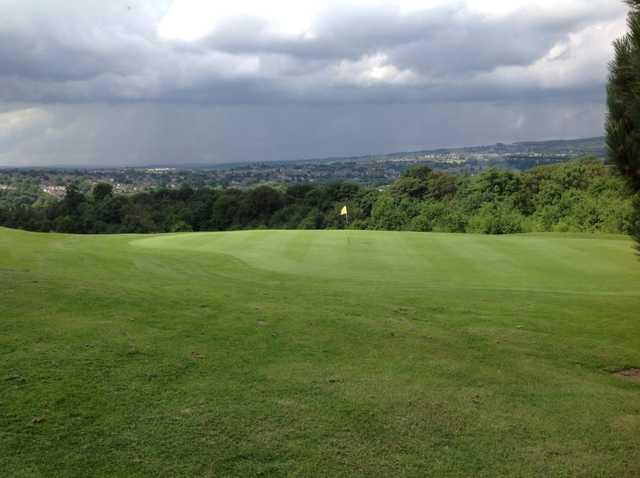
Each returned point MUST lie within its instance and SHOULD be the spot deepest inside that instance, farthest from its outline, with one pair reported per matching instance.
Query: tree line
(579, 196)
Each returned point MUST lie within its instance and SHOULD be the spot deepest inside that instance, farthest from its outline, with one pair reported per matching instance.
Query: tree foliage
(623, 99)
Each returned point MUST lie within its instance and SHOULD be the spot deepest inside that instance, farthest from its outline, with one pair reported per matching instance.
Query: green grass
(329, 353)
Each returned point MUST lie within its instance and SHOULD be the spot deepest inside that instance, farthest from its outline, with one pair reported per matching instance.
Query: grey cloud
(109, 51)
(90, 82)
(451, 37)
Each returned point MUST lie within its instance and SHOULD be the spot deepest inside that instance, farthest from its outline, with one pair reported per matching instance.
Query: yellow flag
(344, 211)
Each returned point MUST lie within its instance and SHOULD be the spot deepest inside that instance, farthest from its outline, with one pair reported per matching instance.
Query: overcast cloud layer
(153, 82)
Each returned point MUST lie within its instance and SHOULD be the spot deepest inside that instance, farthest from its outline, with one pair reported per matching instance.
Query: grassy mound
(318, 353)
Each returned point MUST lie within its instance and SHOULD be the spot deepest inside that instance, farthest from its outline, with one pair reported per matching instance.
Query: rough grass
(328, 353)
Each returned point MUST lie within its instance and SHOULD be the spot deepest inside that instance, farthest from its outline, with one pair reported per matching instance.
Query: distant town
(368, 170)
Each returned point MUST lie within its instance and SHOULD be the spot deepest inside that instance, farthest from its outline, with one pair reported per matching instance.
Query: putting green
(547, 262)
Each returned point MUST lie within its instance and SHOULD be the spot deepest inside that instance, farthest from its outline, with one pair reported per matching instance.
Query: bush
(497, 218)
(392, 213)
(439, 216)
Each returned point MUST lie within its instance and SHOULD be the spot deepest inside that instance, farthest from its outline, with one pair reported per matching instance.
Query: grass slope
(326, 353)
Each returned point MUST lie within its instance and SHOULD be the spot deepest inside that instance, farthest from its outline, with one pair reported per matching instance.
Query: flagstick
(347, 232)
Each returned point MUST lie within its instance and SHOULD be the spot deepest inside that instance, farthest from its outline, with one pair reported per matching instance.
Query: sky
(170, 82)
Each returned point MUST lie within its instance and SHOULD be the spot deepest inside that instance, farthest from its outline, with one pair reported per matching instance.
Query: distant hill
(595, 146)
(570, 147)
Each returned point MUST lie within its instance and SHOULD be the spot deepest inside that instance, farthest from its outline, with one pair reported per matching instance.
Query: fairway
(318, 353)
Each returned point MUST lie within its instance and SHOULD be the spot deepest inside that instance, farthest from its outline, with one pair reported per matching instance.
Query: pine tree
(623, 120)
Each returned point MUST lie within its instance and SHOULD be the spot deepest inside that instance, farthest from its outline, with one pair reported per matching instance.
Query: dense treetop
(582, 196)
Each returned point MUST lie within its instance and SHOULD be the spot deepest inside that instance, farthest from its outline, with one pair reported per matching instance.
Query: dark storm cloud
(87, 51)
